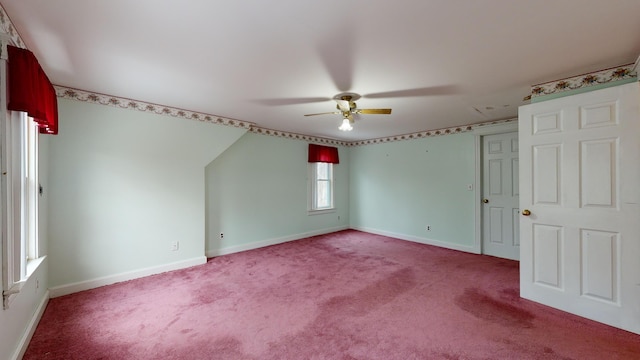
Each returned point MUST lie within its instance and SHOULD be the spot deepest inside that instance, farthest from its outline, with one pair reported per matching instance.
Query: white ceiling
(250, 60)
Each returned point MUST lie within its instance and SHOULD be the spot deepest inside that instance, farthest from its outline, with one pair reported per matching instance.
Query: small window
(321, 186)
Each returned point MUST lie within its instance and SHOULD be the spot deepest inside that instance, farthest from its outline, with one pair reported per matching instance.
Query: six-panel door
(580, 170)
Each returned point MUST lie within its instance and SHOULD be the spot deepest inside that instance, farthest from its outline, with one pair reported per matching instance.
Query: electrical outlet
(175, 245)
(221, 236)
(428, 228)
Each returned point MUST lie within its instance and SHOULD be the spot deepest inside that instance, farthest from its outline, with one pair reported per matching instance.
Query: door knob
(526, 212)
(486, 201)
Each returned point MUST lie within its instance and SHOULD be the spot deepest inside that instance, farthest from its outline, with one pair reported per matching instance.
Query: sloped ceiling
(436, 63)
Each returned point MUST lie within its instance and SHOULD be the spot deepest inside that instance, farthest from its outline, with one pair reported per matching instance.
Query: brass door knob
(486, 201)
(526, 212)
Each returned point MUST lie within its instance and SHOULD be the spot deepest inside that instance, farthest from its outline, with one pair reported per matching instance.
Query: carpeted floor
(347, 295)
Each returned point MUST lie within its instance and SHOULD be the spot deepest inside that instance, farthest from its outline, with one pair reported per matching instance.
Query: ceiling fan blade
(336, 54)
(290, 101)
(425, 91)
(373, 111)
(324, 113)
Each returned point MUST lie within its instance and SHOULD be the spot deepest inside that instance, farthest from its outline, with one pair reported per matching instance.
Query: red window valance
(327, 154)
(30, 90)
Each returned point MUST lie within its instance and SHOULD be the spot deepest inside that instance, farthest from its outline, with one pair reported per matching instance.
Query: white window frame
(313, 189)
(20, 192)
(31, 192)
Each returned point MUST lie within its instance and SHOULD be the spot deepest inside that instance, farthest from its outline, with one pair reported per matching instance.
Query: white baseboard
(129, 275)
(269, 242)
(421, 240)
(31, 327)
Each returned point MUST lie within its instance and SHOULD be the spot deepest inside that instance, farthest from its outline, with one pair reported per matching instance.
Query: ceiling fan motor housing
(352, 106)
(347, 107)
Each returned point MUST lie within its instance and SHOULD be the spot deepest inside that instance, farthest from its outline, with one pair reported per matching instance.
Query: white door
(500, 215)
(580, 180)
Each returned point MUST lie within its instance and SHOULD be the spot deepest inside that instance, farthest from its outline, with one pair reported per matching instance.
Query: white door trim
(479, 133)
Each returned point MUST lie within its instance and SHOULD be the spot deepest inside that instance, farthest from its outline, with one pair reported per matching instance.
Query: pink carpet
(347, 295)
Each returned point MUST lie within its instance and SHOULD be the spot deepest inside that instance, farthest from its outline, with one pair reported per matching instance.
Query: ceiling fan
(340, 66)
(347, 108)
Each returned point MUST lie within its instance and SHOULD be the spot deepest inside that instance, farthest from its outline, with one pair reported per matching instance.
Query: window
(30, 188)
(32, 94)
(20, 216)
(321, 186)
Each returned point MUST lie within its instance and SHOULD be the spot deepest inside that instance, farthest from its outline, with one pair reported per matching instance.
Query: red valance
(327, 154)
(30, 90)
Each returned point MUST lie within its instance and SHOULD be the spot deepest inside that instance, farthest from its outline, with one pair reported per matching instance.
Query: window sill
(10, 294)
(320, 212)
(33, 265)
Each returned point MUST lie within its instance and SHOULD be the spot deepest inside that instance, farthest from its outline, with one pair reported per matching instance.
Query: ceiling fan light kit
(346, 125)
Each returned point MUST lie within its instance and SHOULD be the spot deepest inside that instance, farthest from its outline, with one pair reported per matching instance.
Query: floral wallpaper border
(7, 27)
(605, 76)
(411, 136)
(429, 133)
(294, 136)
(123, 103)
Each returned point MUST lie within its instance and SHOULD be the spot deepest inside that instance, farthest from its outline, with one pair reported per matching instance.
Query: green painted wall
(400, 187)
(123, 185)
(257, 193)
